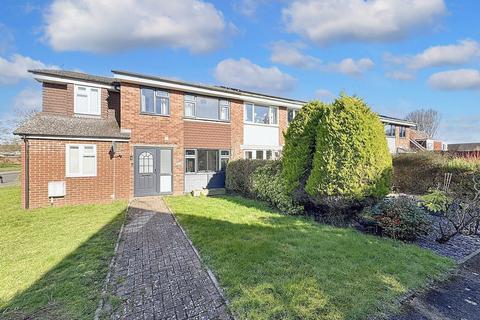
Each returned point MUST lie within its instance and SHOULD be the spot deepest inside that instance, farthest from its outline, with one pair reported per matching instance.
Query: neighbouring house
(103, 138)
(466, 150)
(399, 134)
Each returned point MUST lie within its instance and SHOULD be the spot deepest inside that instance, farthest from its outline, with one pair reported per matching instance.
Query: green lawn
(283, 267)
(4, 167)
(53, 261)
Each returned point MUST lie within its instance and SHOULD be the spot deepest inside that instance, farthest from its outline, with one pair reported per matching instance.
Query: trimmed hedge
(351, 158)
(261, 179)
(416, 173)
(299, 148)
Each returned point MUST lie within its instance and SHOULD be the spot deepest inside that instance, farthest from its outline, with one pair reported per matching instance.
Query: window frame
(195, 157)
(155, 113)
(97, 112)
(402, 132)
(81, 152)
(295, 113)
(270, 115)
(274, 154)
(222, 103)
(394, 130)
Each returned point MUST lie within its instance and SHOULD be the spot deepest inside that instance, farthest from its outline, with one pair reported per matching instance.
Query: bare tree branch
(427, 120)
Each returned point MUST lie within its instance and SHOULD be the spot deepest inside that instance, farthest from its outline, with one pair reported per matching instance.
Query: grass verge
(274, 266)
(5, 167)
(53, 261)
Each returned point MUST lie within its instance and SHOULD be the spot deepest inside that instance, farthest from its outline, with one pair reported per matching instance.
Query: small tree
(427, 120)
(351, 159)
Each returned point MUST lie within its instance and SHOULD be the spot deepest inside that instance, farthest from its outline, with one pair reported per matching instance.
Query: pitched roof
(464, 147)
(204, 86)
(74, 75)
(63, 126)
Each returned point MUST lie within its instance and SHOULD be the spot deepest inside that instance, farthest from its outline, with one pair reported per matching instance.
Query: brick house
(99, 138)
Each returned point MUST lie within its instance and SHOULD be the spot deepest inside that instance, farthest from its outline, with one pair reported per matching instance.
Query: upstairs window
(155, 101)
(390, 130)
(261, 114)
(292, 113)
(81, 160)
(402, 132)
(87, 100)
(206, 108)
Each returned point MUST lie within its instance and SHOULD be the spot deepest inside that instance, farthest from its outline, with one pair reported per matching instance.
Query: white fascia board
(209, 92)
(44, 78)
(400, 122)
(40, 137)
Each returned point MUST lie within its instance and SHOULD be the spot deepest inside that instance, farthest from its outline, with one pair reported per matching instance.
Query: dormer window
(87, 100)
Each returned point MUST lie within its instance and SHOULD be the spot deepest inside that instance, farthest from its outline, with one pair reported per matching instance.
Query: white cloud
(455, 54)
(351, 67)
(400, 75)
(100, 26)
(324, 94)
(28, 99)
(289, 54)
(359, 20)
(16, 69)
(244, 74)
(248, 7)
(460, 79)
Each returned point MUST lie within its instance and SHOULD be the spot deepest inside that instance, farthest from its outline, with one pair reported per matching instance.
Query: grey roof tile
(56, 125)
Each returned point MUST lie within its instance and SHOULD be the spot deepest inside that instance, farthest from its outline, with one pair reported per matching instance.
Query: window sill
(206, 120)
(154, 114)
(261, 124)
(87, 115)
(81, 176)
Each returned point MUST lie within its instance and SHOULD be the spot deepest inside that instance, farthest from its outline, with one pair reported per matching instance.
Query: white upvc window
(260, 114)
(260, 154)
(81, 160)
(87, 100)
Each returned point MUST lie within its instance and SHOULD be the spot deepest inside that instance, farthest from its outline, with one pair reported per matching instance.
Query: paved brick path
(458, 298)
(156, 273)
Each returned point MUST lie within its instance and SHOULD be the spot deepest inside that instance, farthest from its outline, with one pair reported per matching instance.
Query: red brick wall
(403, 143)
(202, 134)
(282, 124)
(154, 130)
(236, 120)
(47, 163)
(59, 99)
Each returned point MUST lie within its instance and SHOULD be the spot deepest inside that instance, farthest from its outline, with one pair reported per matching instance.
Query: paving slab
(156, 272)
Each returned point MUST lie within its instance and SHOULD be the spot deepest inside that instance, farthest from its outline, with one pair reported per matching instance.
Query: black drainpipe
(27, 173)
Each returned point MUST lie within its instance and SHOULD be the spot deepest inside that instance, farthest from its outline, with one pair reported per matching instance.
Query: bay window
(261, 154)
(261, 114)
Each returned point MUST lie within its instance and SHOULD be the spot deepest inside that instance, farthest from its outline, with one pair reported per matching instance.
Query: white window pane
(88, 165)
(189, 109)
(274, 115)
(224, 113)
(94, 106)
(262, 114)
(248, 155)
(74, 160)
(165, 161)
(249, 113)
(207, 108)
(81, 103)
(147, 100)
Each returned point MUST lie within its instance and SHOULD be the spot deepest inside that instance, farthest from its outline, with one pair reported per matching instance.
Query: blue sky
(399, 55)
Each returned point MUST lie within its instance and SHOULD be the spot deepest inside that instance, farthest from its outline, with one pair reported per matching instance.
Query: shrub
(261, 179)
(239, 176)
(417, 173)
(399, 218)
(351, 158)
(299, 147)
(436, 200)
(268, 185)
